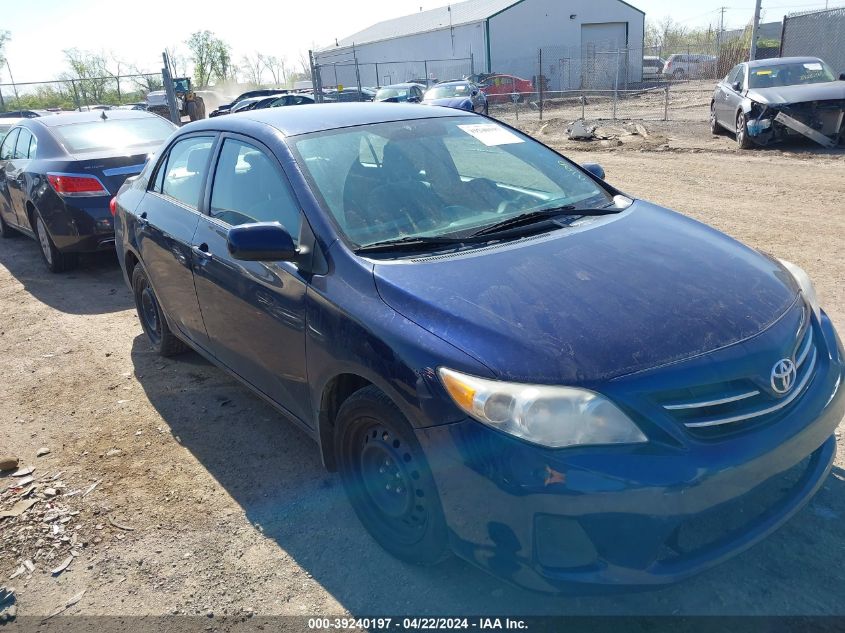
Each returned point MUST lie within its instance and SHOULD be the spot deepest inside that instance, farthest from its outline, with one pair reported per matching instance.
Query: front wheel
(742, 138)
(387, 479)
(152, 318)
(56, 260)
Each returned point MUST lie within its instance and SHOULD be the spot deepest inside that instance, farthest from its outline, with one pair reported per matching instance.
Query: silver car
(767, 101)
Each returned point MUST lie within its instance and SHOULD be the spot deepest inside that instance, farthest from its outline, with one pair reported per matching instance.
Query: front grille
(710, 410)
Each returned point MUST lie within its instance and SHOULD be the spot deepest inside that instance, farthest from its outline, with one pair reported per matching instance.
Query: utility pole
(755, 25)
(721, 27)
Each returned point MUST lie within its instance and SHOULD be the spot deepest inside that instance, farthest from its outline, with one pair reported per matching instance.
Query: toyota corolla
(503, 355)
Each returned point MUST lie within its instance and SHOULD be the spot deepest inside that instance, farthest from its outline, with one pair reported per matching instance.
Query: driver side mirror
(475, 93)
(595, 169)
(841, 76)
(261, 241)
(736, 86)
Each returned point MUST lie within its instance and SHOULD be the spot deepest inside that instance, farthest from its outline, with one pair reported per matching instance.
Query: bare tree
(5, 36)
(88, 73)
(276, 66)
(305, 66)
(251, 68)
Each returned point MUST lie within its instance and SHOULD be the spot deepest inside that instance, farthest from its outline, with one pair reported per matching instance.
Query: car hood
(779, 95)
(584, 305)
(450, 102)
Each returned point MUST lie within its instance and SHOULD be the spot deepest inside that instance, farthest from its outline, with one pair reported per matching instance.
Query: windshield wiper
(413, 243)
(532, 217)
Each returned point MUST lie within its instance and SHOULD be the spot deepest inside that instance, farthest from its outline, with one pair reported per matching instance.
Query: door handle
(202, 251)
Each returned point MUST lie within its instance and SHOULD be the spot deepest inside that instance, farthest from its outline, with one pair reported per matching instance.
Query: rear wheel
(387, 479)
(715, 128)
(152, 319)
(56, 261)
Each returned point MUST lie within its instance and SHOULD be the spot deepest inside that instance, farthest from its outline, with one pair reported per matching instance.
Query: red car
(499, 88)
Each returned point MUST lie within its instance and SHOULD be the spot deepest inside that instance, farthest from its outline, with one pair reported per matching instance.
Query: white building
(584, 42)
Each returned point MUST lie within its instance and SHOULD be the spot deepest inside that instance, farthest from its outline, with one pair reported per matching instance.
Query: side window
(248, 187)
(7, 150)
(740, 77)
(22, 146)
(182, 173)
(33, 146)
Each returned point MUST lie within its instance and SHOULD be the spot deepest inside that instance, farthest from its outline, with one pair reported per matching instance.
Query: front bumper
(631, 516)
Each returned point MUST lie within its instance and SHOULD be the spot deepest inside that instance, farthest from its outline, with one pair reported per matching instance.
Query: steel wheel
(148, 311)
(152, 318)
(44, 240)
(387, 478)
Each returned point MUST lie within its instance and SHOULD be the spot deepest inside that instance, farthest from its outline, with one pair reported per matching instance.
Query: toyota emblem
(783, 376)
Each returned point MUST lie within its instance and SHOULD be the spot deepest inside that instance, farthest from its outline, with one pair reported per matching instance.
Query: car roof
(68, 118)
(452, 82)
(308, 118)
(774, 61)
(404, 84)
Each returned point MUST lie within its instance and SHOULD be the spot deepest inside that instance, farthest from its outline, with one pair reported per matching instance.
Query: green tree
(212, 58)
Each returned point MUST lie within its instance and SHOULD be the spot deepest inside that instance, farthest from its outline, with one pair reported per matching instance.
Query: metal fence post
(75, 94)
(583, 105)
(2, 103)
(540, 81)
(666, 104)
(316, 80)
(616, 85)
(425, 71)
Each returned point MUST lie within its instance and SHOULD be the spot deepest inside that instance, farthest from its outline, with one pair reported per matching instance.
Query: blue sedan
(503, 355)
(462, 95)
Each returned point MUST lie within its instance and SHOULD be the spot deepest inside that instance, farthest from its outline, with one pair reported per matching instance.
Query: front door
(167, 226)
(254, 312)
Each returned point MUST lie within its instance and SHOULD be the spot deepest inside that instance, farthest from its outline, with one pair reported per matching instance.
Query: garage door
(599, 57)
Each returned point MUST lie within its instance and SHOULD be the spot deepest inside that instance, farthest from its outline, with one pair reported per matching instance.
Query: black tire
(55, 260)
(486, 109)
(376, 450)
(6, 231)
(152, 318)
(743, 141)
(715, 128)
(679, 74)
(192, 109)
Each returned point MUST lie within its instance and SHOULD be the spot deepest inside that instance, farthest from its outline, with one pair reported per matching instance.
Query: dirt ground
(207, 502)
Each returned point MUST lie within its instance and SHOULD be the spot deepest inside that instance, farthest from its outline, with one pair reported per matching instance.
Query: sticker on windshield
(813, 66)
(491, 134)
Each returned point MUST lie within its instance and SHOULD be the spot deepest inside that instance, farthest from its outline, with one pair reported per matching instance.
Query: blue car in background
(463, 95)
(503, 355)
(58, 175)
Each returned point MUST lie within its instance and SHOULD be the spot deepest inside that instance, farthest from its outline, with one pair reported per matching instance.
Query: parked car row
(482, 336)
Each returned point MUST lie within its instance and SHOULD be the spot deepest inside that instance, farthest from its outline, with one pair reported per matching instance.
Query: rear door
(254, 312)
(166, 225)
(16, 176)
(7, 153)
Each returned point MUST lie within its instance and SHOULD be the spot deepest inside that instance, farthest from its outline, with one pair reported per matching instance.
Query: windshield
(790, 74)
(100, 135)
(448, 91)
(438, 177)
(400, 94)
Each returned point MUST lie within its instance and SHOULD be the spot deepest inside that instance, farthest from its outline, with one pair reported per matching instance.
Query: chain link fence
(75, 93)
(816, 34)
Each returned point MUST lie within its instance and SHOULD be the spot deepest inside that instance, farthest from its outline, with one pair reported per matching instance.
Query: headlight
(541, 414)
(806, 285)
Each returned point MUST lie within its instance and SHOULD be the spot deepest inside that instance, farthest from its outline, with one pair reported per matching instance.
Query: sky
(137, 32)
